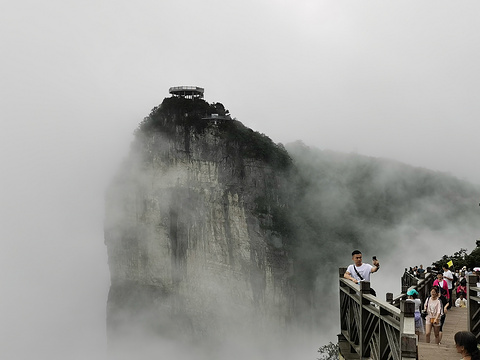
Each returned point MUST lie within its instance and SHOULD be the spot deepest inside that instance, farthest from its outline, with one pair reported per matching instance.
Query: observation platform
(216, 117)
(188, 92)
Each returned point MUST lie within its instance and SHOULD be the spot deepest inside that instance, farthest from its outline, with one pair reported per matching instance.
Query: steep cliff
(194, 228)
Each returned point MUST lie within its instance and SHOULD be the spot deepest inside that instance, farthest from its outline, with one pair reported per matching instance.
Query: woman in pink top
(433, 306)
(462, 288)
(440, 282)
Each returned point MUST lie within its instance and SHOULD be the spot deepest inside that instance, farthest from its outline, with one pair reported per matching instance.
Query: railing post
(389, 298)
(383, 337)
(364, 290)
(473, 305)
(341, 271)
(408, 339)
(425, 293)
(344, 344)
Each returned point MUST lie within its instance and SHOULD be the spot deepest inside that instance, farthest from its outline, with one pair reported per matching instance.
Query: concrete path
(456, 320)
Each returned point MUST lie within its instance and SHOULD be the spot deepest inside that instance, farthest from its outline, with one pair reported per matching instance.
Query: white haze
(424, 229)
(394, 79)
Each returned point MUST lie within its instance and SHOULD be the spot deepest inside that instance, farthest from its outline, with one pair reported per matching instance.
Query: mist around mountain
(353, 200)
(400, 213)
(303, 206)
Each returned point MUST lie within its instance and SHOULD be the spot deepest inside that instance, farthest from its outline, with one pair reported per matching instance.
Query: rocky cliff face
(194, 231)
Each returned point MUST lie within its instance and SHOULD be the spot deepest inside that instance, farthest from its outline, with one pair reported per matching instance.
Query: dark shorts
(442, 321)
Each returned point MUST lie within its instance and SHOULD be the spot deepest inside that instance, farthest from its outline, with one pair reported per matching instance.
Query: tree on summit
(220, 109)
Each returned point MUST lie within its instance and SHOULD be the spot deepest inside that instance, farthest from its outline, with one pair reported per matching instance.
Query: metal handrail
(371, 328)
(473, 307)
(423, 285)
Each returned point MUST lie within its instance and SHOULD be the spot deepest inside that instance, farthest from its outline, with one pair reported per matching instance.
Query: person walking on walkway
(448, 276)
(441, 283)
(413, 297)
(433, 307)
(466, 344)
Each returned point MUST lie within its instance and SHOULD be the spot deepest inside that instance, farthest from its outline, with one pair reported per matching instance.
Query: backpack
(424, 313)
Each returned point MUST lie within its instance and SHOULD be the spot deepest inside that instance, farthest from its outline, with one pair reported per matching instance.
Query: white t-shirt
(449, 274)
(417, 302)
(461, 302)
(365, 270)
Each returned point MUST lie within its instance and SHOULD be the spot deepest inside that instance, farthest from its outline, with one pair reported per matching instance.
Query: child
(412, 295)
(461, 301)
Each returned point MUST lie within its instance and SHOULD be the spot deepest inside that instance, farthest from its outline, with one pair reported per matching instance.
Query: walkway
(456, 320)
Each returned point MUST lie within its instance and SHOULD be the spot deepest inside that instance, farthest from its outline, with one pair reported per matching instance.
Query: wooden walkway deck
(456, 320)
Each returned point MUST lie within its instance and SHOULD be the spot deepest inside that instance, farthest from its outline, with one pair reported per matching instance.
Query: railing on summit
(374, 329)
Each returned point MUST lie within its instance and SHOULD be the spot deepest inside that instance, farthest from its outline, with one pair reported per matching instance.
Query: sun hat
(411, 292)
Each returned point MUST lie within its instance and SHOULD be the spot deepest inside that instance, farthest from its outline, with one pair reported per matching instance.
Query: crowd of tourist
(416, 271)
(449, 289)
(454, 282)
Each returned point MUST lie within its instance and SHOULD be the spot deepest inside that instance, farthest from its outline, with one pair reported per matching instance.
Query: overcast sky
(395, 79)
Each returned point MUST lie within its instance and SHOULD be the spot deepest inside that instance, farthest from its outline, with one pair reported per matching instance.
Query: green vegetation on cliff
(191, 114)
(177, 111)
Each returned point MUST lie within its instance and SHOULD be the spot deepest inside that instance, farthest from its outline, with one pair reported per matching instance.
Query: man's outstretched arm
(349, 276)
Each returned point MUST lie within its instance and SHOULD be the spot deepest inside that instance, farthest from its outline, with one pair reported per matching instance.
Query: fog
(396, 80)
(405, 216)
